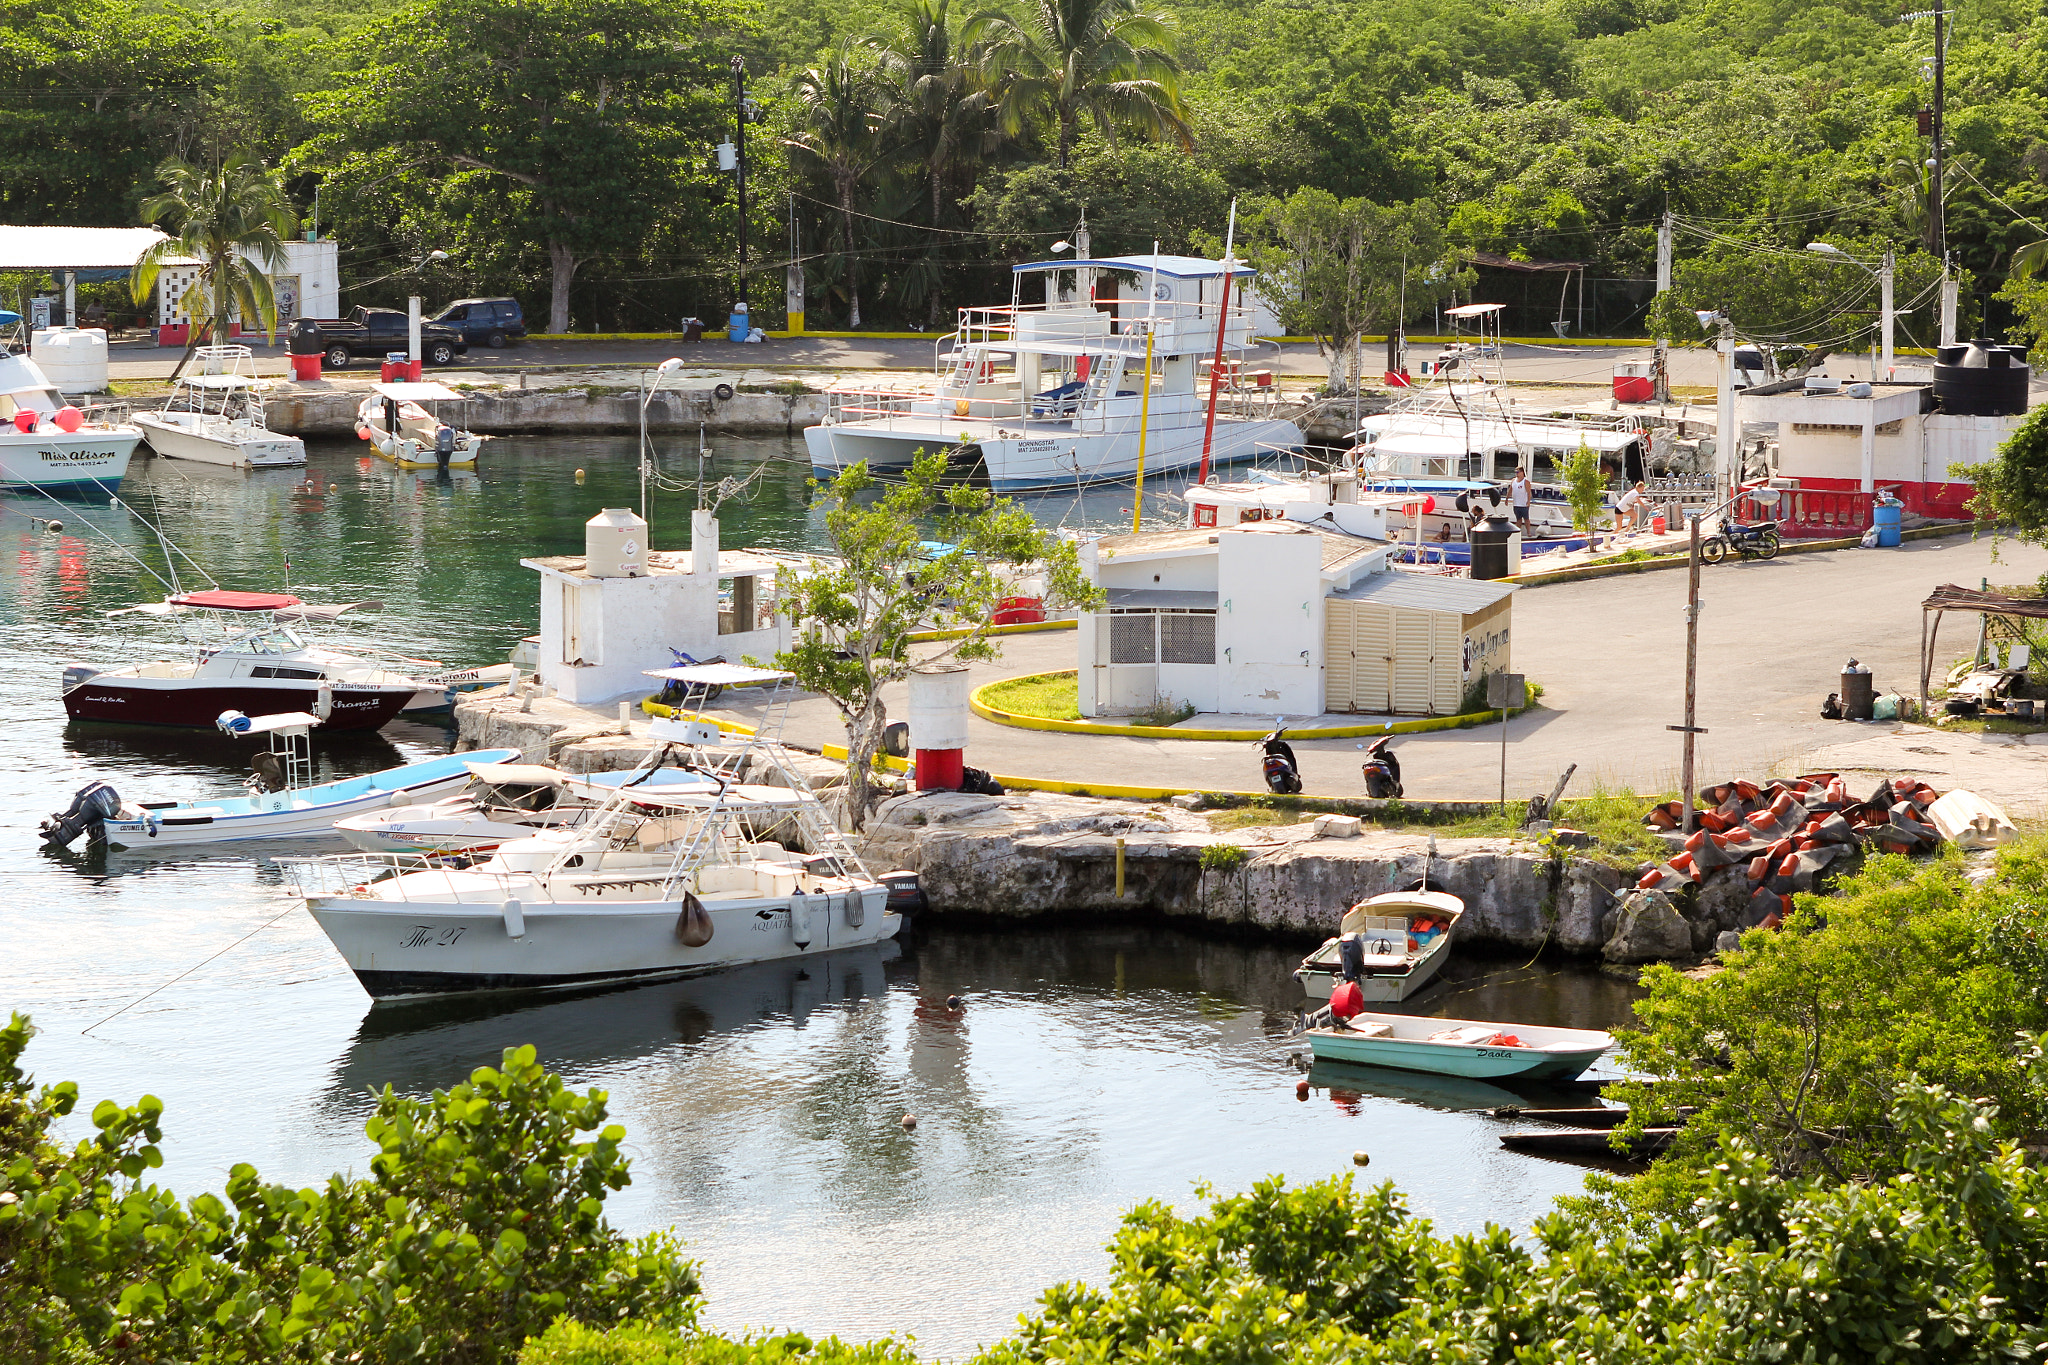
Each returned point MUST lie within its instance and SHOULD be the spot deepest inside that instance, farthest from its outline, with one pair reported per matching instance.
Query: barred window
(1130, 639)
(1188, 639)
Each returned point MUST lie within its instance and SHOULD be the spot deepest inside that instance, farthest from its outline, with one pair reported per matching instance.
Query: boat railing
(353, 874)
(107, 414)
(1105, 326)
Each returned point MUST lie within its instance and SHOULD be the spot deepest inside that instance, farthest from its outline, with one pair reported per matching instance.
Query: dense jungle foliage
(907, 151)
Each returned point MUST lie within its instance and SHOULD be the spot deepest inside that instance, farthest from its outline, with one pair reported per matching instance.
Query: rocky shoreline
(1031, 855)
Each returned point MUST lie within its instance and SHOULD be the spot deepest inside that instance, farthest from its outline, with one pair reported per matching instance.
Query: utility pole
(739, 101)
(1884, 280)
(1937, 209)
(1727, 440)
(1663, 288)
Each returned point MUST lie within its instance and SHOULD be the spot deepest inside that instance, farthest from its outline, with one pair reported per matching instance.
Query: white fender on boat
(800, 920)
(856, 908)
(515, 919)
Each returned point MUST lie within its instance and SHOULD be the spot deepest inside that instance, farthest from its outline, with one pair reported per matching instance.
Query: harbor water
(1090, 1068)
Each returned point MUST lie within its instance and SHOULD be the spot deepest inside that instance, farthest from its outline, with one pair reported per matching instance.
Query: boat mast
(1216, 365)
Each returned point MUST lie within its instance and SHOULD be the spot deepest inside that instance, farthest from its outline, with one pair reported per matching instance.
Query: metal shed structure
(1408, 644)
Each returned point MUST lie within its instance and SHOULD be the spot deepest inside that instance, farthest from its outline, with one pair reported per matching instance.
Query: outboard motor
(444, 446)
(906, 897)
(94, 805)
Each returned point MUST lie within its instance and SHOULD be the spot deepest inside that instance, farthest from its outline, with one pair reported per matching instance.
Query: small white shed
(1410, 644)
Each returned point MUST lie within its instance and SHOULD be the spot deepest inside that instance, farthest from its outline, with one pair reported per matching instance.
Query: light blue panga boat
(280, 804)
(1459, 1047)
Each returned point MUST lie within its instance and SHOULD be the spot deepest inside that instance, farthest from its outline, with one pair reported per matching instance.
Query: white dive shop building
(610, 614)
(1279, 619)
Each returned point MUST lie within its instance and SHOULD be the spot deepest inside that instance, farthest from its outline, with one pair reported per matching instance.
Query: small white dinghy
(280, 803)
(395, 419)
(505, 801)
(1396, 944)
(1456, 1047)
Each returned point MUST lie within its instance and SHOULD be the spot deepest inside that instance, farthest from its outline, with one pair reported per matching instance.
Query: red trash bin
(305, 367)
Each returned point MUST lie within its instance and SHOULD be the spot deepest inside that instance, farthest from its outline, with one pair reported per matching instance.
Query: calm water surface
(1091, 1068)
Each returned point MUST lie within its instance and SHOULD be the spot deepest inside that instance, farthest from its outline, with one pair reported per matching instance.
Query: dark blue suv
(485, 322)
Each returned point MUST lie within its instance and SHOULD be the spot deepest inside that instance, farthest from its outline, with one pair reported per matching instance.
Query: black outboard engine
(444, 446)
(94, 805)
(906, 897)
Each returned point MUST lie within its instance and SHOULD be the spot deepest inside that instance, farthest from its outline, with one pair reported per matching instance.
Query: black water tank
(1981, 379)
(304, 338)
(1490, 547)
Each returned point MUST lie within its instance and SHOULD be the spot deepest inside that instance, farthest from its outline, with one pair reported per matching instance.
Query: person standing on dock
(1519, 493)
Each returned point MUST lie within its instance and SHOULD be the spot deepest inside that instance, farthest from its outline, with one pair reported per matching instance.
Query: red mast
(1216, 365)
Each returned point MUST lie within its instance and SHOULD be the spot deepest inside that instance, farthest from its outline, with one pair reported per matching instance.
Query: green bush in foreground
(481, 1222)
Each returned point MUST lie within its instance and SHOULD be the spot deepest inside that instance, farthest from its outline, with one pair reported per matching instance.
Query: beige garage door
(1384, 660)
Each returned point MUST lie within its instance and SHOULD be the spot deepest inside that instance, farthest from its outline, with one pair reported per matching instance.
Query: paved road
(1610, 654)
(1591, 365)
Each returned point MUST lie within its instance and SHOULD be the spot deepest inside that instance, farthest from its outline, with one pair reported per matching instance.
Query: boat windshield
(270, 640)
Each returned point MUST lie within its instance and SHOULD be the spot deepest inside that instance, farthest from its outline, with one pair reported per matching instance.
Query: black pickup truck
(380, 331)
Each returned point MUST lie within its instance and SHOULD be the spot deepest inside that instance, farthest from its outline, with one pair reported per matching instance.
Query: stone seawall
(324, 411)
(1033, 855)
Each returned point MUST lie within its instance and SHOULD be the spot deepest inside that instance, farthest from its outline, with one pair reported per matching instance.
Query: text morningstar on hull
(1054, 391)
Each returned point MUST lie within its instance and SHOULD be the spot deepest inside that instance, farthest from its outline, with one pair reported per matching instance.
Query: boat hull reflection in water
(420, 1046)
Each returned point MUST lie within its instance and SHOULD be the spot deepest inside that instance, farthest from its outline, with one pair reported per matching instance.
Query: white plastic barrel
(75, 358)
(615, 544)
(938, 707)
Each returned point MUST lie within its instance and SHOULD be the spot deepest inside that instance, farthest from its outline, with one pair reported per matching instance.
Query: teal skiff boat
(1457, 1047)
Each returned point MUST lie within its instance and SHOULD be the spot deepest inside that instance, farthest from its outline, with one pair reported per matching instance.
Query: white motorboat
(1057, 392)
(1458, 1047)
(259, 670)
(403, 424)
(657, 883)
(42, 448)
(281, 802)
(505, 801)
(1392, 945)
(215, 416)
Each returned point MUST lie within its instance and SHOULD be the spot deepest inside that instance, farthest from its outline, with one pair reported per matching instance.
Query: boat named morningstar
(659, 881)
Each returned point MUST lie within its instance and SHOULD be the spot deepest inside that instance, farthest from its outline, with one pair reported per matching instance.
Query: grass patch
(1044, 696)
(1614, 819)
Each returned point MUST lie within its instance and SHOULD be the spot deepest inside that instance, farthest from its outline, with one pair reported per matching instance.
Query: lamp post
(1883, 273)
(421, 264)
(661, 372)
(1767, 497)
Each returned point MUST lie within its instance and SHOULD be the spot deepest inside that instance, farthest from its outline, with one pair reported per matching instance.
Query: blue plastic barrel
(738, 325)
(1885, 517)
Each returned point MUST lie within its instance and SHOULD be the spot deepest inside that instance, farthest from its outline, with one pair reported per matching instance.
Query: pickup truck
(379, 331)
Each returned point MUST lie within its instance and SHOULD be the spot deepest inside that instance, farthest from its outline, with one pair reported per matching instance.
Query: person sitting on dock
(1627, 511)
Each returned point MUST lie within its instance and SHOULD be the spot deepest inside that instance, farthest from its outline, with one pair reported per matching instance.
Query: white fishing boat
(281, 801)
(1057, 392)
(215, 416)
(505, 801)
(42, 448)
(1392, 945)
(403, 424)
(657, 883)
(1458, 1047)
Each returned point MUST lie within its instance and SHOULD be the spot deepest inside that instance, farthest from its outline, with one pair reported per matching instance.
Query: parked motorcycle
(1381, 769)
(688, 696)
(1283, 774)
(1751, 540)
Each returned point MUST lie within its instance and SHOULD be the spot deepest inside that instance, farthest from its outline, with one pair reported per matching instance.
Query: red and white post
(938, 725)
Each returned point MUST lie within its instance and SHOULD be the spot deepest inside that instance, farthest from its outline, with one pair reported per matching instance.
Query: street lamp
(1765, 496)
(1883, 275)
(431, 258)
(661, 372)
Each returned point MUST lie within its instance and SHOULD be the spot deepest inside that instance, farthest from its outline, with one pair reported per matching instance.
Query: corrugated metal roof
(1426, 592)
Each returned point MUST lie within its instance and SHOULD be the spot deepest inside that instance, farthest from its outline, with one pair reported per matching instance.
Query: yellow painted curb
(1022, 628)
(1081, 727)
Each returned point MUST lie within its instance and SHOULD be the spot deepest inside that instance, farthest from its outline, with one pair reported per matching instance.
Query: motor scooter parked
(1381, 769)
(1283, 774)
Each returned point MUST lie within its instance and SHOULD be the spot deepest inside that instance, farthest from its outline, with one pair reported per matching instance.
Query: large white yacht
(1052, 389)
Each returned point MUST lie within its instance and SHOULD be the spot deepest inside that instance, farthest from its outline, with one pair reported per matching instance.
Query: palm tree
(219, 220)
(1108, 59)
(940, 117)
(840, 120)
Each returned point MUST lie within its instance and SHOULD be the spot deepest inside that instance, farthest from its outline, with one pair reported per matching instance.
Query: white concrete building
(307, 285)
(599, 635)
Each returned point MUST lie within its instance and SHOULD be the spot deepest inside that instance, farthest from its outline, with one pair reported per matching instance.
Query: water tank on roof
(74, 358)
(1981, 379)
(615, 544)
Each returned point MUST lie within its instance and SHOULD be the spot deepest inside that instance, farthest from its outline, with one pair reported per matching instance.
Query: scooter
(686, 696)
(1752, 540)
(1381, 769)
(1282, 773)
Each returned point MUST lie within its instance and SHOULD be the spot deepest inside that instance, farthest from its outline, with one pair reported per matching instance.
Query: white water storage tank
(615, 544)
(75, 358)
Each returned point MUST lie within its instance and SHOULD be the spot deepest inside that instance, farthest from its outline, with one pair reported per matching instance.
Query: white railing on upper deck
(1109, 326)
